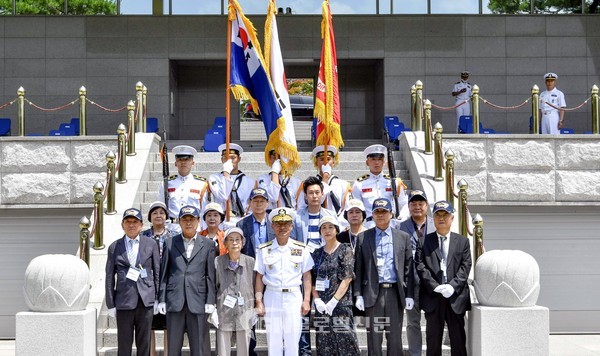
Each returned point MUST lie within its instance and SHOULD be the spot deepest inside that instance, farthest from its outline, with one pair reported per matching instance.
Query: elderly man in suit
(132, 277)
(417, 226)
(383, 270)
(443, 262)
(187, 285)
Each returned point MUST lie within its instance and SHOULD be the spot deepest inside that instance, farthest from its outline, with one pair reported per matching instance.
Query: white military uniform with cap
(282, 268)
(232, 192)
(336, 191)
(369, 187)
(189, 190)
(551, 115)
(464, 109)
(275, 192)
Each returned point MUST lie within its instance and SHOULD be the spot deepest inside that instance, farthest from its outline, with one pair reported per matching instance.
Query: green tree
(542, 6)
(57, 7)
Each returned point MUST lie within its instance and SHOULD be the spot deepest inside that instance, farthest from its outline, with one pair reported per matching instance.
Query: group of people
(551, 103)
(313, 254)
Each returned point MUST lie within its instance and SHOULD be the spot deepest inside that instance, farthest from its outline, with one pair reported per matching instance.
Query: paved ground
(560, 345)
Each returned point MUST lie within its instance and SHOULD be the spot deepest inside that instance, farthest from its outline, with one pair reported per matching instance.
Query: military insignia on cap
(131, 212)
(187, 210)
(416, 192)
(442, 205)
(381, 203)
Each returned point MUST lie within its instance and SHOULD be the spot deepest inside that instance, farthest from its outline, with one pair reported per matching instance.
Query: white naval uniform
(339, 187)
(464, 109)
(274, 190)
(550, 115)
(221, 188)
(189, 190)
(282, 268)
(369, 187)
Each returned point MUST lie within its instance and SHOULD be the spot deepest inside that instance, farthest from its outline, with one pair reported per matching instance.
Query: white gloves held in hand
(213, 318)
(155, 311)
(112, 312)
(162, 308)
(325, 169)
(331, 304)
(410, 303)
(445, 290)
(276, 167)
(360, 303)
(320, 305)
(228, 166)
(209, 308)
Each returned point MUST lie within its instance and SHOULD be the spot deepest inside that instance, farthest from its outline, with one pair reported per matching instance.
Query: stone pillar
(56, 290)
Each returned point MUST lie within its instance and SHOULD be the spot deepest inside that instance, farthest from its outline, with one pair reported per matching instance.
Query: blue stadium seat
(75, 125)
(66, 130)
(152, 124)
(56, 133)
(5, 126)
(212, 140)
(566, 131)
(465, 124)
(389, 122)
(219, 123)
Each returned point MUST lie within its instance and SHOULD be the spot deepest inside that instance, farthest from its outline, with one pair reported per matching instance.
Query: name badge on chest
(230, 301)
(133, 274)
(322, 284)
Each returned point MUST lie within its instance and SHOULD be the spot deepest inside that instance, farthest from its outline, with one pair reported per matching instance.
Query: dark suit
(437, 308)
(186, 285)
(133, 300)
(379, 301)
(413, 316)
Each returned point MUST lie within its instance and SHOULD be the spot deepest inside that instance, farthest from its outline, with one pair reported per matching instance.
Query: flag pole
(227, 98)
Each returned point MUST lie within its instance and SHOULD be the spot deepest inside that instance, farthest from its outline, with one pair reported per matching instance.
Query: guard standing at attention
(552, 118)
(462, 91)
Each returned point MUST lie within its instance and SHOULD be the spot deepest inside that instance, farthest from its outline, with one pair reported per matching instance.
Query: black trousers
(385, 317)
(435, 330)
(197, 330)
(138, 320)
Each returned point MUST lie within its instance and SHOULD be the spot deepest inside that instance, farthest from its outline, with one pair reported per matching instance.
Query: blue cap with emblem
(416, 195)
(258, 192)
(134, 213)
(382, 203)
(443, 205)
(189, 210)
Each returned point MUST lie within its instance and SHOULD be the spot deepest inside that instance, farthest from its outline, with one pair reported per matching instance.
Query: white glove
(320, 305)
(439, 288)
(155, 307)
(209, 308)
(360, 303)
(254, 319)
(331, 304)
(112, 312)
(410, 303)
(447, 291)
(228, 166)
(162, 308)
(276, 167)
(325, 169)
(213, 318)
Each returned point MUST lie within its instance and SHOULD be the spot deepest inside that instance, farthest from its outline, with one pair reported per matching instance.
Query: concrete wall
(51, 57)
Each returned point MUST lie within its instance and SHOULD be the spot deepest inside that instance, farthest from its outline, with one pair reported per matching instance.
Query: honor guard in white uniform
(552, 118)
(184, 188)
(375, 184)
(462, 91)
(281, 188)
(336, 191)
(282, 265)
(231, 188)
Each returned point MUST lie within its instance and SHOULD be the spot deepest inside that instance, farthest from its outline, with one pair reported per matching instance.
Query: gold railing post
(450, 176)
(595, 116)
(131, 128)
(439, 157)
(478, 236)
(413, 101)
(535, 110)
(84, 240)
(138, 97)
(427, 128)
(144, 107)
(82, 112)
(419, 106)
(21, 110)
(475, 108)
(463, 223)
(99, 216)
(110, 173)
(121, 156)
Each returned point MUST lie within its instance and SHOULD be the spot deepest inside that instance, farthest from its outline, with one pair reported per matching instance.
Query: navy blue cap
(382, 203)
(443, 205)
(133, 212)
(416, 195)
(189, 210)
(258, 192)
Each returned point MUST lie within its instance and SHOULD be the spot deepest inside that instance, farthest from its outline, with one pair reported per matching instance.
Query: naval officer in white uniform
(462, 91)
(552, 118)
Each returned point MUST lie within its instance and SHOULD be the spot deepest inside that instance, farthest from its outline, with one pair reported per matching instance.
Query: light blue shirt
(385, 250)
(260, 231)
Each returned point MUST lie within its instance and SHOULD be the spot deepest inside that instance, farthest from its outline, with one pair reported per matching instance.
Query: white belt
(549, 112)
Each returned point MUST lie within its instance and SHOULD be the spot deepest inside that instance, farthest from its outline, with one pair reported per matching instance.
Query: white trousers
(283, 319)
(464, 109)
(550, 123)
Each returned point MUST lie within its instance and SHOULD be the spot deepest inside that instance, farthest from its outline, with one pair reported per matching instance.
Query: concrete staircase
(109, 341)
